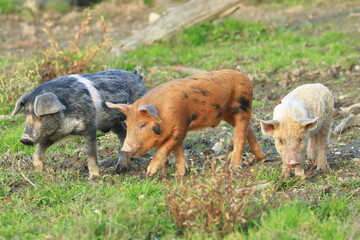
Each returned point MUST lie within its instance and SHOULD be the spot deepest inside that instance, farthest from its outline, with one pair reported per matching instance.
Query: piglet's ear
(149, 111)
(308, 124)
(47, 103)
(20, 103)
(268, 127)
(124, 108)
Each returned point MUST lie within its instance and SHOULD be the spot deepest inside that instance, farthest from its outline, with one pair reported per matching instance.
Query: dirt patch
(342, 15)
(23, 36)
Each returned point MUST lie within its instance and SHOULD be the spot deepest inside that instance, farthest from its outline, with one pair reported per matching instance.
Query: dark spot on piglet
(219, 114)
(157, 129)
(185, 96)
(244, 103)
(236, 110)
(204, 92)
(192, 118)
(176, 138)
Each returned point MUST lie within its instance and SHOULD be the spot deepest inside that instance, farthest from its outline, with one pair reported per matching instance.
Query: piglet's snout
(293, 164)
(292, 160)
(129, 149)
(26, 140)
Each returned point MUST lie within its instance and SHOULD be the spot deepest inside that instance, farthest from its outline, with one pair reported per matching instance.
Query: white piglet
(301, 121)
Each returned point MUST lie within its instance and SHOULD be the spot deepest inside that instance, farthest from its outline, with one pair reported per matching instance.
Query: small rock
(218, 146)
(153, 17)
(337, 153)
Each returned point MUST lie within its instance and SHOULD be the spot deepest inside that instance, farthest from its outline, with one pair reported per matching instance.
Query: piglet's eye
(300, 140)
(281, 141)
(141, 125)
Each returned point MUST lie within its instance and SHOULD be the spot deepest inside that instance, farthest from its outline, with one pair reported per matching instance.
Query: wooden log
(180, 69)
(353, 109)
(177, 18)
(257, 188)
(351, 120)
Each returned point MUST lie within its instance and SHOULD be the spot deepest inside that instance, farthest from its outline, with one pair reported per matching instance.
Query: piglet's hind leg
(240, 135)
(254, 144)
(180, 160)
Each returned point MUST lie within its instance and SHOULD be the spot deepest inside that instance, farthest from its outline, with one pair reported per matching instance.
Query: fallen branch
(23, 175)
(353, 109)
(180, 69)
(5, 117)
(186, 15)
(256, 188)
(351, 120)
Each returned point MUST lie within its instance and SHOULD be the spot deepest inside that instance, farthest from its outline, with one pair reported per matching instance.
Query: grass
(74, 210)
(231, 43)
(64, 205)
(298, 220)
(10, 6)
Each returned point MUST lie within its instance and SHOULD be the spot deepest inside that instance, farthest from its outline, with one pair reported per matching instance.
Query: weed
(14, 84)
(216, 204)
(79, 58)
(55, 61)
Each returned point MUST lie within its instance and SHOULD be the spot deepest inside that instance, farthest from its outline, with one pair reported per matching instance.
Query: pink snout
(292, 159)
(129, 149)
(293, 163)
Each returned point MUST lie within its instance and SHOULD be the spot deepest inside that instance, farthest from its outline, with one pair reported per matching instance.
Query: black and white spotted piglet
(75, 105)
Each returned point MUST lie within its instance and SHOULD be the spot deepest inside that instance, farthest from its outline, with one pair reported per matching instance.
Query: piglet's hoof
(94, 178)
(39, 166)
(153, 169)
(323, 167)
(119, 169)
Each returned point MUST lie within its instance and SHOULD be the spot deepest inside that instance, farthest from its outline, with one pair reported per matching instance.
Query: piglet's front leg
(39, 155)
(181, 165)
(162, 154)
(91, 153)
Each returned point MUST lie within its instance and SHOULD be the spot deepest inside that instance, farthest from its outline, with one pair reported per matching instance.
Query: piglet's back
(212, 86)
(315, 99)
(206, 98)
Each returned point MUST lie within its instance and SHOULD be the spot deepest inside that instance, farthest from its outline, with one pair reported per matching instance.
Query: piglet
(75, 105)
(302, 120)
(165, 114)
